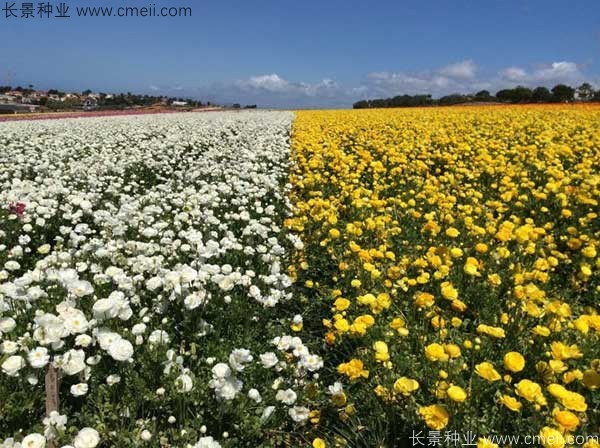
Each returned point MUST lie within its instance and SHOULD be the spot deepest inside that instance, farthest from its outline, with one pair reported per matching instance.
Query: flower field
(323, 278)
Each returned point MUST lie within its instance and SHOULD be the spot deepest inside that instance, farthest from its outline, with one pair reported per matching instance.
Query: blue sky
(326, 53)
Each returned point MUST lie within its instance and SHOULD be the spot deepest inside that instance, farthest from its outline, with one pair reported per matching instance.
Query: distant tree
(504, 95)
(596, 96)
(483, 95)
(562, 93)
(455, 98)
(541, 95)
(86, 92)
(585, 92)
(521, 94)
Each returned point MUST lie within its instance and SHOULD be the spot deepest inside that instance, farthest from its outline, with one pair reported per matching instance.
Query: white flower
(75, 321)
(111, 380)
(254, 395)
(34, 441)
(287, 396)
(266, 414)
(12, 265)
(86, 438)
(184, 383)
(311, 363)
(72, 362)
(9, 347)
(238, 358)
(154, 283)
(105, 309)
(268, 360)
(138, 329)
(194, 300)
(38, 358)
(221, 370)
(146, 435)
(299, 413)
(158, 337)
(207, 442)
(7, 324)
(77, 390)
(12, 365)
(121, 350)
(83, 340)
(81, 288)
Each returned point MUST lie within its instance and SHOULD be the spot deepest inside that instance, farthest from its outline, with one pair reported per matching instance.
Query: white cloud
(556, 72)
(270, 83)
(461, 70)
(515, 74)
(275, 90)
(447, 79)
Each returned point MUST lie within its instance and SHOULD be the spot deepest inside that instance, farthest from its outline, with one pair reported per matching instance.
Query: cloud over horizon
(465, 76)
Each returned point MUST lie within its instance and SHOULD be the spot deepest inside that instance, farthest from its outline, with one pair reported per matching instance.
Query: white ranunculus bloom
(12, 365)
(287, 396)
(72, 362)
(121, 350)
(86, 438)
(7, 324)
(38, 358)
(34, 441)
(9, 347)
(184, 383)
(77, 390)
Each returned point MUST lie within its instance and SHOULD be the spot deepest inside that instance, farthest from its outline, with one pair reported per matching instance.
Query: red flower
(17, 208)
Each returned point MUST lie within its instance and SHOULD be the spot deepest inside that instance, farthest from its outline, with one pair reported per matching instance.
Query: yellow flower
(436, 417)
(486, 443)
(424, 299)
(486, 371)
(457, 393)
(491, 331)
(471, 267)
(449, 291)
(566, 420)
(453, 350)
(551, 438)
(514, 361)
(405, 386)
(563, 352)
(511, 403)
(354, 369)
(319, 443)
(341, 304)
(436, 352)
(531, 391)
(452, 232)
(381, 351)
(342, 325)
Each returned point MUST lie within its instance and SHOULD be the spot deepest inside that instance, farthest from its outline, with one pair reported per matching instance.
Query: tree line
(560, 93)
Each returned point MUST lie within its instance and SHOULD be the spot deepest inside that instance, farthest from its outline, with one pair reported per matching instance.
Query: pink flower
(17, 208)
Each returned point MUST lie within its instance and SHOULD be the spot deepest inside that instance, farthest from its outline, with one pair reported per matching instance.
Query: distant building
(180, 103)
(17, 108)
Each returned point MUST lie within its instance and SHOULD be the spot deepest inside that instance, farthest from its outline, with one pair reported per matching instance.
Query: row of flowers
(451, 268)
(144, 260)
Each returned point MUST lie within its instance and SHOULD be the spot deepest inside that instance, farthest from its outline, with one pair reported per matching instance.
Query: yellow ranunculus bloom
(514, 361)
(436, 417)
(436, 352)
(456, 393)
(405, 386)
(486, 370)
(511, 403)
